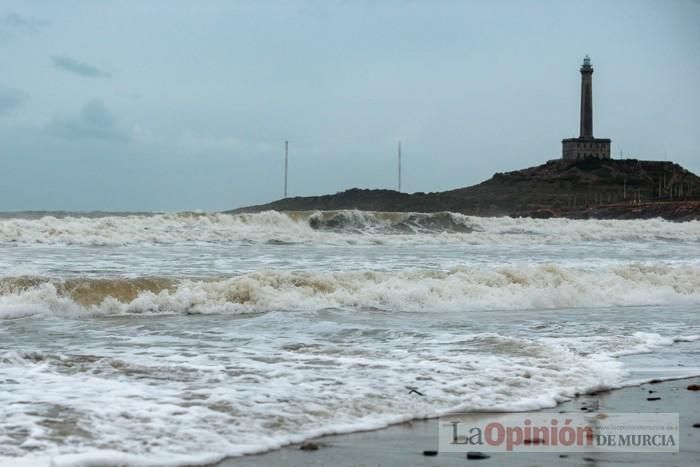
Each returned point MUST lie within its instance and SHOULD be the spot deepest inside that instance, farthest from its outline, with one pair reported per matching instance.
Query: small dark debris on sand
(694, 387)
(309, 446)
(474, 455)
(430, 453)
(653, 398)
(696, 425)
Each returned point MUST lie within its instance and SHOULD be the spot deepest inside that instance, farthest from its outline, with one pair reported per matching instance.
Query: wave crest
(458, 289)
(389, 222)
(331, 227)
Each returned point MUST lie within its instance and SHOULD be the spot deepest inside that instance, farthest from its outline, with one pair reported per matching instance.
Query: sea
(185, 338)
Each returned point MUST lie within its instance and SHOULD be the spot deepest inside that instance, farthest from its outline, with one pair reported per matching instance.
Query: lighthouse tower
(586, 145)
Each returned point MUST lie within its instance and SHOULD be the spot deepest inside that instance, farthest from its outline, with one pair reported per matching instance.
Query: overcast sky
(179, 105)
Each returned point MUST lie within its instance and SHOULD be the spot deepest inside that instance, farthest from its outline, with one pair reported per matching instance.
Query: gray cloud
(94, 122)
(72, 65)
(10, 99)
(13, 23)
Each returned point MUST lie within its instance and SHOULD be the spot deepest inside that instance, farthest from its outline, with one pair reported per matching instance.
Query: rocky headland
(580, 189)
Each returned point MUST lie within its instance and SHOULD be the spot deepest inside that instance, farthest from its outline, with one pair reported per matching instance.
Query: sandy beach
(404, 444)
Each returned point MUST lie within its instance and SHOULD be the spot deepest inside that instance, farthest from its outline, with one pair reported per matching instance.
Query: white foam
(645, 342)
(345, 227)
(29, 460)
(157, 413)
(460, 289)
(213, 387)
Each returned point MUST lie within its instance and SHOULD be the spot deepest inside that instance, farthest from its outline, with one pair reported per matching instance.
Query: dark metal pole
(286, 165)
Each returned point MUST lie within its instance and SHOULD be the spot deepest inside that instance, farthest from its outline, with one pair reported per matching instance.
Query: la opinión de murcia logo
(552, 432)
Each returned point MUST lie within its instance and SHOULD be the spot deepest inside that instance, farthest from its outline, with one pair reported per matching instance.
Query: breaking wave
(329, 227)
(458, 289)
(387, 222)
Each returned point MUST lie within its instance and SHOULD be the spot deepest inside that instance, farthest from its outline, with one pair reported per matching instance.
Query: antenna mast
(399, 166)
(286, 165)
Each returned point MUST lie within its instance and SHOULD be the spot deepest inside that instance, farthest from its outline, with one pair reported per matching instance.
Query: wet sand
(403, 445)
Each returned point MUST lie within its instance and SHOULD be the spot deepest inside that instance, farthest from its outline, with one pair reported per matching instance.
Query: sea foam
(462, 289)
(331, 227)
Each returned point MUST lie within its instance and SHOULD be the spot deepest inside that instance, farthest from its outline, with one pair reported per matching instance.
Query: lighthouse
(586, 145)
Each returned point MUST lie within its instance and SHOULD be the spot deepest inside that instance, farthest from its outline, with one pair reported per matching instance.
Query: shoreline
(403, 444)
